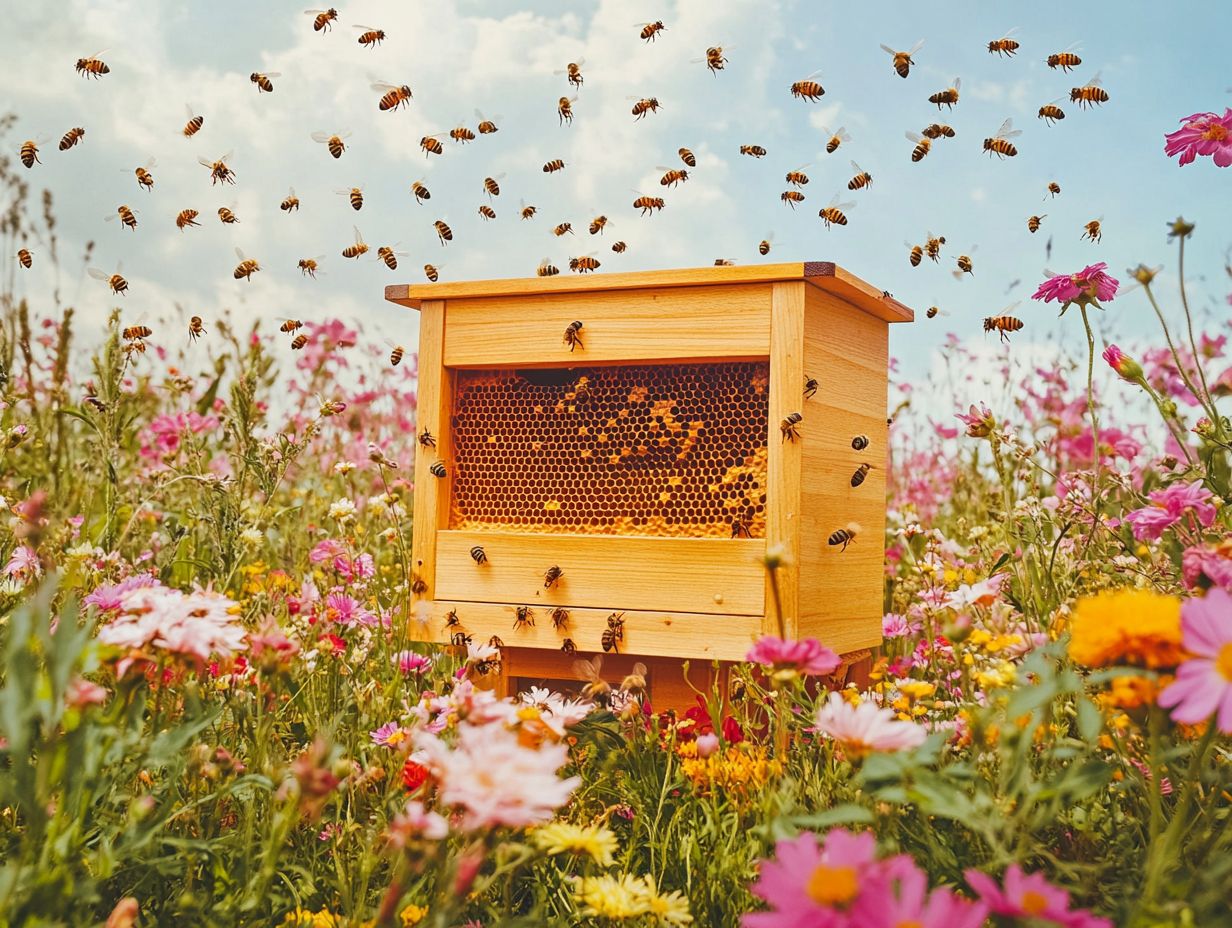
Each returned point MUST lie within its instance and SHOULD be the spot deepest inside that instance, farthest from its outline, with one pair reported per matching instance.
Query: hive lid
(825, 275)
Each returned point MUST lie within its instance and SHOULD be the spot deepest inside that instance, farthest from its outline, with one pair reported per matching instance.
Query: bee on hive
(810, 387)
(523, 617)
(859, 442)
(478, 555)
(559, 616)
(550, 578)
(438, 469)
(790, 426)
(902, 60)
(861, 472)
(425, 439)
(460, 639)
(573, 336)
(1005, 46)
(740, 528)
(844, 536)
(452, 620)
(584, 264)
(568, 647)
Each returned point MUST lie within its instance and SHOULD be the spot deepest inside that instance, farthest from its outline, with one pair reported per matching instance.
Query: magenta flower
(1203, 685)
(1205, 566)
(900, 897)
(23, 564)
(1205, 134)
(1126, 367)
(812, 886)
(110, 596)
(868, 727)
(390, 735)
(1090, 285)
(978, 420)
(807, 656)
(412, 662)
(1169, 506)
(1030, 895)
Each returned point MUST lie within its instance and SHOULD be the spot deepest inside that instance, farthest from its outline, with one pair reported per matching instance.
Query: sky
(1159, 62)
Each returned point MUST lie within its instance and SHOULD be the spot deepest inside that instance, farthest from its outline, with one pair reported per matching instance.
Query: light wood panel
(703, 575)
(688, 323)
(435, 391)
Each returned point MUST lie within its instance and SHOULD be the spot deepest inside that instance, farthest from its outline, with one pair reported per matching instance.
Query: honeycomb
(667, 450)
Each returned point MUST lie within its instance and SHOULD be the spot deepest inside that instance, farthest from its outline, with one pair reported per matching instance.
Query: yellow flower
(667, 908)
(1136, 627)
(611, 897)
(997, 676)
(412, 915)
(303, 918)
(741, 770)
(596, 842)
(1132, 692)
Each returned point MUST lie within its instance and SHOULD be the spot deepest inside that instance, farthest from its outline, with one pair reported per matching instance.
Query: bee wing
(803, 166)
(1009, 309)
(589, 670)
(204, 163)
(809, 77)
(239, 254)
(364, 28)
(545, 262)
(843, 134)
(857, 168)
(189, 110)
(916, 47)
(843, 206)
(1009, 33)
(153, 162)
(383, 86)
(639, 669)
(270, 74)
(291, 191)
(1003, 132)
(97, 274)
(359, 239)
(825, 130)
(228, 156)
(111, 216)
(499, 176)
(320, 136)
(1072, 47)
(914, 136)
(663, 167)
(1093, 82)
(957, 85)
(889, 51)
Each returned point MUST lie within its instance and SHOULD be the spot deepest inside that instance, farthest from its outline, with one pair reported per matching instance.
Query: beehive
(648, 465)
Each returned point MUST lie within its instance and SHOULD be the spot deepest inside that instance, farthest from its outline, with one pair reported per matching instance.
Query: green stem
(1176, 357)
(1207, 403)
(1095, 498)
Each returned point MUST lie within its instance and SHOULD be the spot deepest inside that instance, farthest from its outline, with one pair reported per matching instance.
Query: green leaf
(1090, 719)
(846, 814)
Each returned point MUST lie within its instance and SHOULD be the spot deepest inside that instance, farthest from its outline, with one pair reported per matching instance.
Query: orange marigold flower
(1139, 628)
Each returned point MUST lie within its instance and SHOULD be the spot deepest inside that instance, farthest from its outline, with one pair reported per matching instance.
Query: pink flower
(23, 564)
(110, 596)
(707, 744)
(901, 898)
(1202, 134)
(82, 693)
(1205, 566)
(812, 886)
(1090, 285)
(1126, 367)
(867, 727)
(415, 821)
(412, 662)
(326, 550)
(984, 593)
(195, 626)
(894, 625)
(1030, 895)
(345, 610)
(1169, 506)
(1203, 684)
(807, 656)
(978, 420)
(391, 734)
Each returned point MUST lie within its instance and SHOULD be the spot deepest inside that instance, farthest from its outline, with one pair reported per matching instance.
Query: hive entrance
(669, 450)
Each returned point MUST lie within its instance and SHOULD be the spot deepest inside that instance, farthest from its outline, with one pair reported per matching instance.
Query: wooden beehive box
(648, 464)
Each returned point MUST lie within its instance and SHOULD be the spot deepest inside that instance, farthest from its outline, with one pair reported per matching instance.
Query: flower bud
(1204, 428)
(1179, 228)
(1126, 367)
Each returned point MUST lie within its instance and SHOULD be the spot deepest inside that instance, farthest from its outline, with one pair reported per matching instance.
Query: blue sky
(1158, 62)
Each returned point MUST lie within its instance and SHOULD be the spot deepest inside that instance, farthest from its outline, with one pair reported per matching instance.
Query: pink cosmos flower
(412, 662)
(1205, 134)
(416, 821)
(978, 420)
(194, 626)
(1203, 685)
(391, 734)
(162, 437)
(110, 596)
(984, 593)
(1091, 284)
(345, 610)
(865, 728)
(894, 625)
(899, 897)
(1204, 566)
(807, 656)
(1169, 506)
(1030, 895)
(23, 564)
(325, 550)
(81, 693)
(1126, 367)
(812, 886)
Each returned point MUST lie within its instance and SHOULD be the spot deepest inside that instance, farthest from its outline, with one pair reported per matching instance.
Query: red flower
(414, 775)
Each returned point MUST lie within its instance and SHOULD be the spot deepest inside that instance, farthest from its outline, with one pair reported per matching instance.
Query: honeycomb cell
(675, 450)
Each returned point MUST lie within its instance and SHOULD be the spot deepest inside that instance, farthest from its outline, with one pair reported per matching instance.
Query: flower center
(910, 923)
(832, 885)
(1034, 903)
(1223, 662)
(1215, 132)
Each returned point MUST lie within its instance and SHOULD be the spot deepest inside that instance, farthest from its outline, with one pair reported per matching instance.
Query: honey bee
(478, 555)
(443, 232)
(724, 262)
(933, 312)
(808, 89)
(964, 261)
(433, 272)
(561, 229)
(714, 59)
(490, 185)
(291, 202)
(487, 126)
(1089, 94)
(932, 246)
(598, 224)
(310, 267)
(763, 247)
(651, 30)
(136, 346)
(550, 578)
(1054, 188)
(584, 264)
(523, 617)
(1033, 223)
(1000, 144)
(1004, 46)
(290, 325)
(495, 642)
(859, 442)
(595, 687)
(264, 81)
(546, 268)
(635, 680)
(194, 124)
(526, 210)
(418, 586)
(1050, 112)
(836, 138)
(487, 212)
(922, 146)
(93, 67)
(564, 109)
(134, 332)
(568, 647)
(862, 178)
(460, 639)
(420, 192)
(117, 283)
(797, 178)
(393, 96)
(573, 335)
(937, 130)
(127, 216)
(25, 258)
(836, 212)
(611, 640)
(902, 60)
(916, 254)
(438, 469)
(196, 328)
(1093, 230)
(755, 151)
(687, 157)
(359, 248)
(672, 176)
(1004, 324)
(947, 97)
(29, 152)
(425, 439)
(791, 197)
(619, 247)
(790, 426)
(323, 19)
(553, 166)
(452, 620)
(581, 389)
(219, 172)
(387, 254)
(1065, 60)
(71, 138)
(246, 268)
(334, 143)
(573, 73)
(461, 135)
(560, 617)
(648, 204)
(370, 36)
(844, 536)
(226, 216)
(645, 105)
(861, 472)
(740, 528)
(186, 218)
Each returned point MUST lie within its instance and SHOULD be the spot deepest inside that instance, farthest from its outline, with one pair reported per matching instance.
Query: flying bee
(354, 194)
(1000, 144)
(310, 267)
(452, 620)
(461, 134)
(937, 130)
(859, 442)
(861, 180)
(264, 81)
(764, 246)
(322, 19)
(126, 215)
(1065, 60)
(226, 216)
(791, 197)
(526, 210)
(1089, 94)
(433, 272)
(1053, 188)
(359, 248)
(595, 687)
(1033, 223)
(797, 178)
(335, 144)
(117, 283)
(387, 254)
(568, 647)
(844, 536)
(808, 89)
(561, 229)
(1050, 112)
(487, 212)
(573, 72)
(645, 105)
(619, 247)
(393, 96)
(24, 258)
(550, 578)
(916, 255)
(134, 332)
(836, 138)
(291, 202)
(585, 264)
(370, 36)
(94, 66)
(523, 617)
(495, 642)
(438, 470)
(860, 473)
(420, 192)
(672, 176)
(564, 109)
(425, 439)
(598, 224)
(487, 126)
(194, 124)
(1093, 230)
(546, 268)
(687, 157)
(443, 232)
(478, 555)
(573, 336)
(30, 151)
(219, 172)
(790, 426)
(186, 218)
(964, 261)
(714, 59)
(651, 30)
(947, 97)
(71, 138)
(1004, 324)
(648, 204)
(932, 246)
(836, 212)
(635, 680)
(196, 328)
(902, 60)
(290, 325)
(922, 146)
(754, 151)
(1004, 46)
(553, 166)
(491, 187)
(933, 312)
(247, 266)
